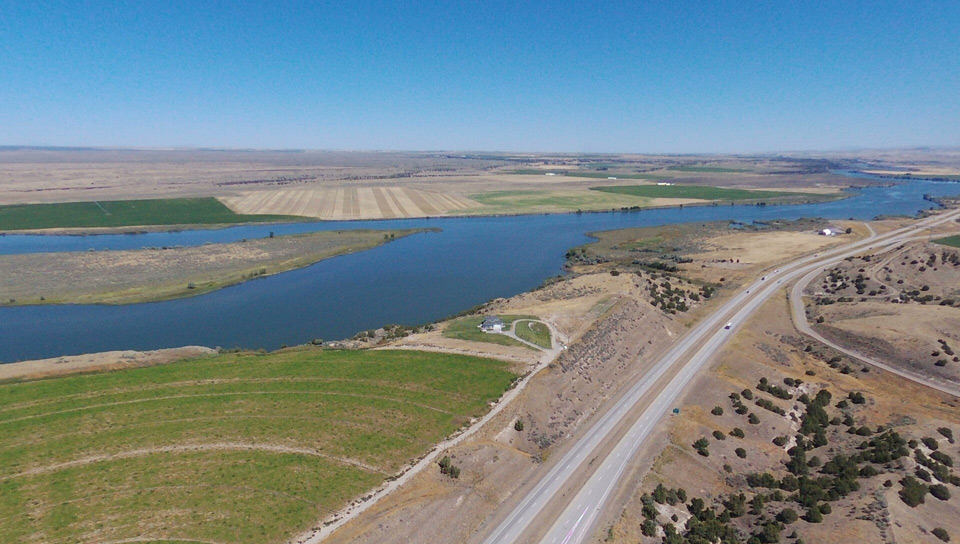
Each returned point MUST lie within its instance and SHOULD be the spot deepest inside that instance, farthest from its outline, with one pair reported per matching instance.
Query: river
(414, 280)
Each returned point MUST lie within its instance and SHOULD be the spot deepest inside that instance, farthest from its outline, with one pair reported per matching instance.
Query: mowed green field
(232, 448)
(521, 202)
(468, 328)
(126, 213)
(697, 191)
(952, 241)
(533, 331)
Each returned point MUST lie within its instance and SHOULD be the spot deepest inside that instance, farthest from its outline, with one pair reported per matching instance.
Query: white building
(491, 323)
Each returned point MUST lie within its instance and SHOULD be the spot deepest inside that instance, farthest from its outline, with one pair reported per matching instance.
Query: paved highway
(679, 365)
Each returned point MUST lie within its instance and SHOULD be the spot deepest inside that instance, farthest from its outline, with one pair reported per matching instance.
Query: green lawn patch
(232, 448)
(697, 191)
(533, 331)
(952, 241)
(468, 328)
(126, 213)
(708, 169)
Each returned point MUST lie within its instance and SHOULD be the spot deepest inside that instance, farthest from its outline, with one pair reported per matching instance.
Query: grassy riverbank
(701, 192)
(147, 275)
(231, 448)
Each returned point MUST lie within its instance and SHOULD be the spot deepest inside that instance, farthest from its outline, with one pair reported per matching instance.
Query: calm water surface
(415, 280)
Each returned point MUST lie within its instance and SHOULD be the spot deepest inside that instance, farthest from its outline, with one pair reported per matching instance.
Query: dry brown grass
(122, 277)
(769, 347)
(349, 203)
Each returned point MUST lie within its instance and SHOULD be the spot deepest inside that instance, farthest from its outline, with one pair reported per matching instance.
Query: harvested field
(234, 448)
(125, 277)
(349, 203)
(64, 175)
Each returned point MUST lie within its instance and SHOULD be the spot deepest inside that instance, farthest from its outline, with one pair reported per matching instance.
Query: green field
(516, 202)
(468, 328)
(231, 448)
(952, 241)
(698, 192)
(126, 213)
(708, 169)
(533, 331)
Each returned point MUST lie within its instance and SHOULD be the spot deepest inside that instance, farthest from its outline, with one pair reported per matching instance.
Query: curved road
(800, 321)
(559, 489)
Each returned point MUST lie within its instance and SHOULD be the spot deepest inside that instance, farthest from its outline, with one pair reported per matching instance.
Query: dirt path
(512, 333)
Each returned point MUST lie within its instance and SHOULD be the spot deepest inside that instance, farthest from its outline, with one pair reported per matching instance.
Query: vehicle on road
(728, 325)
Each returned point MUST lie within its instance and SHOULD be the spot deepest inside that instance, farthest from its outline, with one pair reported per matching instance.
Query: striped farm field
(239, 448)
(349, 203)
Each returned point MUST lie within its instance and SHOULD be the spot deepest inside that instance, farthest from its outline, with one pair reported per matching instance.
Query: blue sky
(655, 77)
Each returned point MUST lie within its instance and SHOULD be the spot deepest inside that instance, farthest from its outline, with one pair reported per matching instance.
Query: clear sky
(482, 75)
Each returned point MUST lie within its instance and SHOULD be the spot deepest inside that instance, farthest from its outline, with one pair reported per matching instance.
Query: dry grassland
(124, 277)
(768, 347)
(719, 254)
(908, 304)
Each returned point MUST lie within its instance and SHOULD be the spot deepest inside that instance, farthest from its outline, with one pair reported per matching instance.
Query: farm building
(491, 323)
(830, 231)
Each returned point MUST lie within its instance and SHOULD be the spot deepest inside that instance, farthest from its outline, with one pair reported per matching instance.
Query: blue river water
(414, 280)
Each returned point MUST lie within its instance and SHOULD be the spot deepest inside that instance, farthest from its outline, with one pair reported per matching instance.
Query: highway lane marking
(574, 528)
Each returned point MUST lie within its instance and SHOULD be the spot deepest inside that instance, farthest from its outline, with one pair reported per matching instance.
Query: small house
(491, 323)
